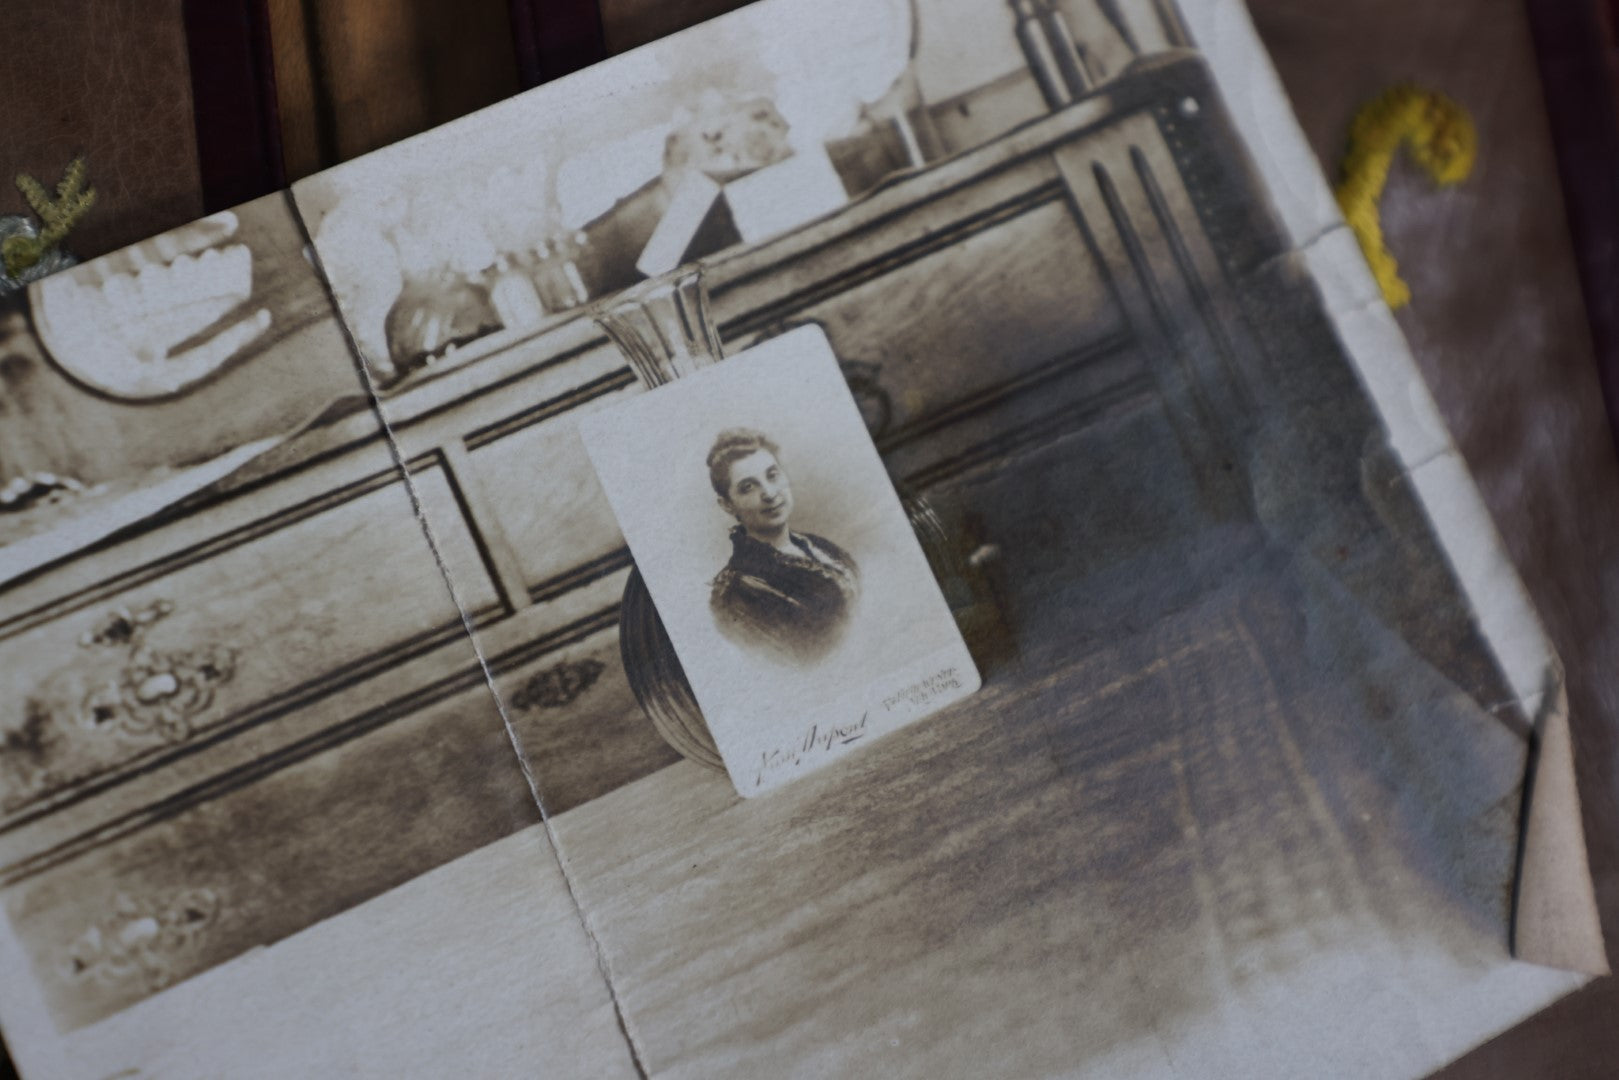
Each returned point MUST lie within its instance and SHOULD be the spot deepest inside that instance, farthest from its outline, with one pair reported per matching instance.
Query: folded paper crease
(1555, 918)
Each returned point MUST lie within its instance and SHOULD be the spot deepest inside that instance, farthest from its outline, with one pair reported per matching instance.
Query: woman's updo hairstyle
(732, 445)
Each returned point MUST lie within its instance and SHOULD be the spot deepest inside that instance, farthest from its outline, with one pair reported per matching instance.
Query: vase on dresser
(665, 329)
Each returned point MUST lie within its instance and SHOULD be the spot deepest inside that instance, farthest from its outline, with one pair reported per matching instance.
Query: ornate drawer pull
(155, 692)
(120, 626)
(160, 693)
(559, 686)
(114, 687)
(143, 941)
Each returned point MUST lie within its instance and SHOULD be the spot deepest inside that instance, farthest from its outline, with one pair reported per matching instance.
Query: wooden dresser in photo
(263, 708)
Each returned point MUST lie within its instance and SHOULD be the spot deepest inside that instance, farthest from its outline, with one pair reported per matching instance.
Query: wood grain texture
(1127, 830)
(305, 140)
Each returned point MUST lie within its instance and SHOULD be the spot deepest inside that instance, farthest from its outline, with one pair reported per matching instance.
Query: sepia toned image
(459, 242)
(127, 379)
(1245, 739)
(970, 411)
(246, 749)
(784, 595)
(731, 485)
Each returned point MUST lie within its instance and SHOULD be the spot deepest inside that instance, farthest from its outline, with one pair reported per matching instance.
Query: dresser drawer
(418, 780)
(236, 629)
(542, 489)
(579, 725)
(938, 335)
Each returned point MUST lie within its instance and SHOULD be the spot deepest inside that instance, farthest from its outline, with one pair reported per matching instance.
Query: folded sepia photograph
(863, 538)
(800, 603)
(134, 380)
(241, 725)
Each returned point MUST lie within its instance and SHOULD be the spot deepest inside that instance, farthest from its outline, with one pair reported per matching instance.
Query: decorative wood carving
(160, 692)
(147, 942)
(153, 692)
(120, 626)
(115, 691)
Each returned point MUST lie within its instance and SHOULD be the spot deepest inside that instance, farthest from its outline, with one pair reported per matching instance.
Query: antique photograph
(791, 582)
(971, 397)
(240, 710)
(128, 381)
(508, 220)
(784, 594)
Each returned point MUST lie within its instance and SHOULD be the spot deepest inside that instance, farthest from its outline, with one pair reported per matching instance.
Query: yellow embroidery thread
(57, 216)
(1441, 138)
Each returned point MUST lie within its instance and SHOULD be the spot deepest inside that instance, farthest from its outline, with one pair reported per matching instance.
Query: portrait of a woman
(783, 593)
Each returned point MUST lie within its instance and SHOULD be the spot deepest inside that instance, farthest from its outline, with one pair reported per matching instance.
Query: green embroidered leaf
(57, 216)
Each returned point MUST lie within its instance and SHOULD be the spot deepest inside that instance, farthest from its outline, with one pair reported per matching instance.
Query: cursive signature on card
(817, 739)
(820, 739)
(919, 694)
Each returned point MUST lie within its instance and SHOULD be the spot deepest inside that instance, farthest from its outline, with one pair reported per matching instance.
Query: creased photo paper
(1052, 634)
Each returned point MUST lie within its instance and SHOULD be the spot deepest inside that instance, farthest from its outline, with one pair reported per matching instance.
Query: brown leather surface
(362, 74)
(1499, 331)
(108, 79)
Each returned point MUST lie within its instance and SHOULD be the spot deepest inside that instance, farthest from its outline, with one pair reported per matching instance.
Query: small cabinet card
(798, 599)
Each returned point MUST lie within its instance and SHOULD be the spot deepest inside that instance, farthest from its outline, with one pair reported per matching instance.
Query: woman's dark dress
(795, 607)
